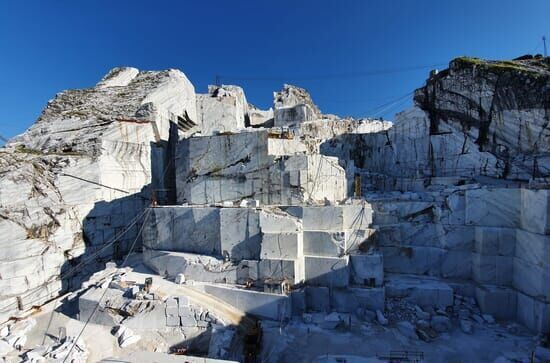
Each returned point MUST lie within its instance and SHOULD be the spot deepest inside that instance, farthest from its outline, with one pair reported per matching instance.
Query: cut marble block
(500, 302)
(326, 180)
(277, 270)
(495, 241)
(317, 298)
(92, 305)
(247, 270)
(278, 222)
(458, 238)
(231, 232)
(357, 216)
(326, 271)
(194, 230)
(298, 300)
(531, 279)
(369, 298)
(535, 211)
(533, 248)
(495, 270)
(350, 299)
(359, 240)
(387, 236)
(288, 116)
(324, 243)
(535, 314)
(436, 235)
(280, 246)
(328, 218)
(420, 290)
(493, 207)
(240, 233)
(223, 109)
(281, 147)
(219, 161)
(260, 304)
(456, 265)
(421, 234)
(366, 268)
(413, 260)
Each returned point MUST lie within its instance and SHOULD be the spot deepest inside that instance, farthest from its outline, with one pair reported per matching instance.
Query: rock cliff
(474, 120)
(71, 183)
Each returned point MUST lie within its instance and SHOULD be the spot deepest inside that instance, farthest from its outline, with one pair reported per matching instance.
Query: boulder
(407, 329)
(440, 323)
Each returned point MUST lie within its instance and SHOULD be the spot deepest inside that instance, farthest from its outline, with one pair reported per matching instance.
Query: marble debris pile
(437, 221)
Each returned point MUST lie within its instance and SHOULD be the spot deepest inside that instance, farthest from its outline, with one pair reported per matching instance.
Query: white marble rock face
(265, 195)
(230, 168)
(51, 185)
(223, 109)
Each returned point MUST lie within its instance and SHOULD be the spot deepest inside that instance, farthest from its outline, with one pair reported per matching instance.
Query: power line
(93, 182)
(387, 105)
(343, 75)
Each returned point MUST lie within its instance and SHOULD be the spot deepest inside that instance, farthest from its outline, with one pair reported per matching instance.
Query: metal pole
(544, 43)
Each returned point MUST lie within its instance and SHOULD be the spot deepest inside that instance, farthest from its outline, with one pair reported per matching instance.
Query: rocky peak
(293, 105)
(291, 96)
(118, 77)
(76, 119)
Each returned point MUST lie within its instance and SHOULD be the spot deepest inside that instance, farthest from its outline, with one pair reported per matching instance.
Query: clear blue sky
(324, 46)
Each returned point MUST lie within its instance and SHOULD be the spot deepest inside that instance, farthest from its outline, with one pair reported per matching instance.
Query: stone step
(422, 290)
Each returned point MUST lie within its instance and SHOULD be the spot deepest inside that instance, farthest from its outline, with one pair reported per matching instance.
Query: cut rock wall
(230, 168)
(478, 235)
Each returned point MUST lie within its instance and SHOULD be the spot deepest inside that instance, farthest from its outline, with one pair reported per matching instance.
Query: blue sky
(332, 48)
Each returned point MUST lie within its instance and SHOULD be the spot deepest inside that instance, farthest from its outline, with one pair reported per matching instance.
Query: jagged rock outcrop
(293, 105)
(475, 119)
(503, 106)
(72, 182)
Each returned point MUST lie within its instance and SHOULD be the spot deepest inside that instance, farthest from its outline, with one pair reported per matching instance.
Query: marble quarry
(175, 222)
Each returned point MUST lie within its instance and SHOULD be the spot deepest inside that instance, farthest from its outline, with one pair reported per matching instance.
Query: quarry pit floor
(292, 341)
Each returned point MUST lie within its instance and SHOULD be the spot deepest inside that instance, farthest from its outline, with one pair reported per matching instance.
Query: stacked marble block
(341, 272)
(493, 270)
(490, 243)
(316, 245)
(422, 246)
(222, 109)
(512, 266)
